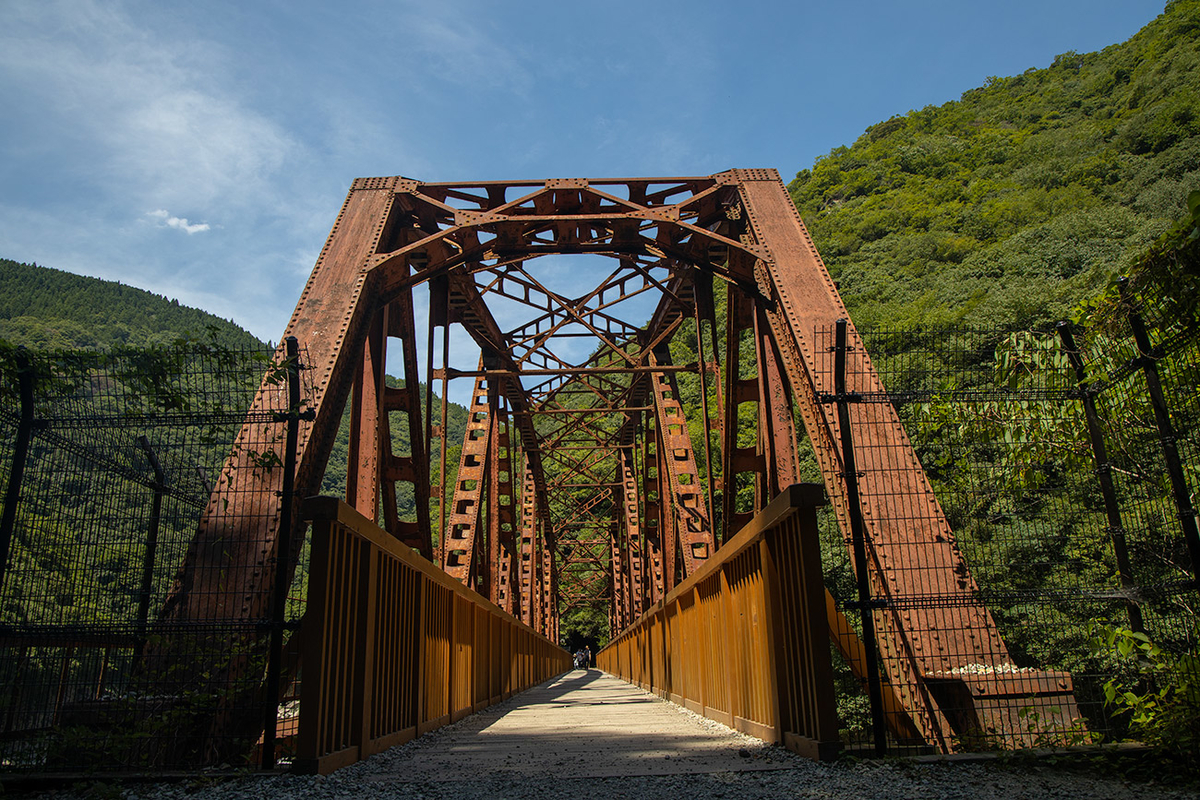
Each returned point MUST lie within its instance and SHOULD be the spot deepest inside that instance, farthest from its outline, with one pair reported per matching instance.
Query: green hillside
(48, 309)
(45, 308)
(1023, 197)
(1009, 206)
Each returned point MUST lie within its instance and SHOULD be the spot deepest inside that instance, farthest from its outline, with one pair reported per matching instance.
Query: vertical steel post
(16, 473)
(1116, 530)
(707, 426)
(158, 485)
(282, 553)
(1147, 359)
(858, 540)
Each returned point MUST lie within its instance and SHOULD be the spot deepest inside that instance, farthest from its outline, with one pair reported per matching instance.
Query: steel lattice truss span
(641, 361)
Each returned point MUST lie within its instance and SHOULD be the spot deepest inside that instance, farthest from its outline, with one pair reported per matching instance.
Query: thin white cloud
(179, 223)
(109, 99)
(146, 116)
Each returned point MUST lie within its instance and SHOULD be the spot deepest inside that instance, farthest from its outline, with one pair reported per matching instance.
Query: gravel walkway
(587, 735)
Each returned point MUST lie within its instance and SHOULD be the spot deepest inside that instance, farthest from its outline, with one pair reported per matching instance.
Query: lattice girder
(619, 493)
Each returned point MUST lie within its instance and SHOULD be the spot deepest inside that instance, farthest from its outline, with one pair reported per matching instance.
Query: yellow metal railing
(393, 647)
(745, 640)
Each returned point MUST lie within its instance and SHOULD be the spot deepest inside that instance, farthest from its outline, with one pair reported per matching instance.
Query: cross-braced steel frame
(630, 409)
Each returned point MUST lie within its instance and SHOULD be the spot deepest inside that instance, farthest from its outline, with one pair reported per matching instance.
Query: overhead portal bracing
(641, 363)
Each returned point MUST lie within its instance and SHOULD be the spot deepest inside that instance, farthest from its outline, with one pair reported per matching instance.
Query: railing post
(773, 640)
(310, 741)
(858, 539)
(792, 575)
(1116, 530)
(159, 486)
(283, 549)
(16, 474)
(1147, 359)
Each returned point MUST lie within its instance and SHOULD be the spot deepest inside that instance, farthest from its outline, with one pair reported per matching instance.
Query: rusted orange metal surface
(458, 553)
(688, 518)
(744, 640)
(906, 524)
(626, 487)
(394, 647)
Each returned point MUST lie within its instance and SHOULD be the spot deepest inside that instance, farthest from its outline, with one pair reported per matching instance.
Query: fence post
(858, 538)
(1147, 359)
(159, 486)
(16, 474)
(283, 548)
(1116, 530)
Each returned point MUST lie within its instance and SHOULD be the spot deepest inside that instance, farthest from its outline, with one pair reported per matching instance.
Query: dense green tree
(1028, 193)
(45, 308)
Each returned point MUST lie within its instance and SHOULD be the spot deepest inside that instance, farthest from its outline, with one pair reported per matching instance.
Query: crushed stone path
(588, 735)
(586, 724)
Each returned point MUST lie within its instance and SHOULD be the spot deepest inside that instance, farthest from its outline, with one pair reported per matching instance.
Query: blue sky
(201, 150)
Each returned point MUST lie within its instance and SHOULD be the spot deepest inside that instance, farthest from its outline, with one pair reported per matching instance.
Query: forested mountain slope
(1025, 196)
(45, 308)
(48, 309)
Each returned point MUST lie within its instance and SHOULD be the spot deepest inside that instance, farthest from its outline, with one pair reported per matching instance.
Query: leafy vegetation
(48, 309)
(1158, 691)
(1024, 196)
(1007, 206)
(1018, 205)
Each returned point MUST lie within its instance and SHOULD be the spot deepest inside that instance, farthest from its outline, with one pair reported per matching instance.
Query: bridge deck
(589, 735)
(580, 725)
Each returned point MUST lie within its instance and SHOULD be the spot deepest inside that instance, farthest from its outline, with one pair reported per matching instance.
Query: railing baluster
(440, 674)
(770, 572)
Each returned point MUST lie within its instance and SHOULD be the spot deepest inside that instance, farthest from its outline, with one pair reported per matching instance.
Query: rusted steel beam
(590, 410)
(618, 569)
(635, 600)
(463, 522)
(924, 647)
(414, 466)
(547, 583)
(439, 317)
(502, 509)
(776, 428)
(488, 551)
(652, 513)
(574, 371)
(226, 575)
(584, 423)
(678, 458)
(363, 470)
(738, 459)
(524, 598)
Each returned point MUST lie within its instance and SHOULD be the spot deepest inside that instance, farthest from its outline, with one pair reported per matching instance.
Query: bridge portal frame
(463, 244)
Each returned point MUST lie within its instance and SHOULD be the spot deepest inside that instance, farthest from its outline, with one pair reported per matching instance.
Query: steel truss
(624, 421)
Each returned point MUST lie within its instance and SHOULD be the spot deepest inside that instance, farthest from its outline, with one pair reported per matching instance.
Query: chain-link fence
(108, 463)
(1010, 579)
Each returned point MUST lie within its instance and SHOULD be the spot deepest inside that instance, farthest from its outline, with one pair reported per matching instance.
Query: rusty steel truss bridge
(644, 377)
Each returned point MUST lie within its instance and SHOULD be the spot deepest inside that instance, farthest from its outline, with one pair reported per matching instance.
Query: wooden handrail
(394, 647)
(745, 640)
